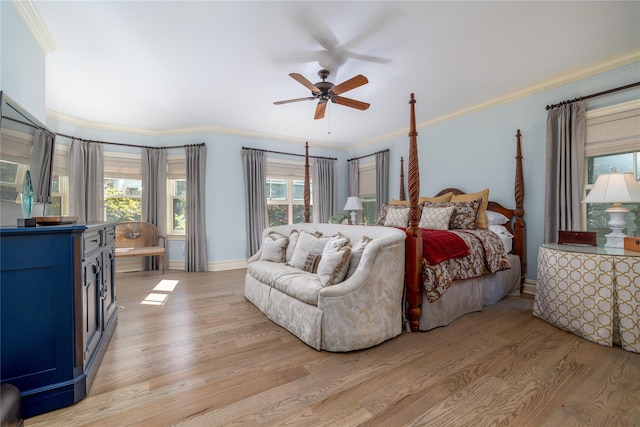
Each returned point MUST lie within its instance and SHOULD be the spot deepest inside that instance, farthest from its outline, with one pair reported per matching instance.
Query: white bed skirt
(467, 296)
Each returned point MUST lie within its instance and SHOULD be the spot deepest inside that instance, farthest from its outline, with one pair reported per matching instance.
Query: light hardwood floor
(208, 357)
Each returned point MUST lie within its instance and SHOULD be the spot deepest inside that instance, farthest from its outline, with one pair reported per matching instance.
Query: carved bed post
(519, 224)
(402, 195)
(413, 242)
(307, 189)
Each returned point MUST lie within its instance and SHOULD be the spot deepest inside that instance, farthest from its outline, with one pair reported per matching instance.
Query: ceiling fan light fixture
(325, 91)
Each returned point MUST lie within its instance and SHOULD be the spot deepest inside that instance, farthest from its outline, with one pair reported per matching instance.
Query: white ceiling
(163, 66)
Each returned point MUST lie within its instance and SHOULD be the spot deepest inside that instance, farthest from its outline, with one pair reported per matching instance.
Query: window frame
(622, 144)
(290, 171)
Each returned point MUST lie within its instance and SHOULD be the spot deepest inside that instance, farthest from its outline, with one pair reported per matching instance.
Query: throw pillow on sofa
(274, 247)
(356, 255)
(307, 243)
(336, 242)
(333, 266)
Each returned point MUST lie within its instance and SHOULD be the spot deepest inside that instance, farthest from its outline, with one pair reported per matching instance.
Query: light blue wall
(22, 77)
(22, 62)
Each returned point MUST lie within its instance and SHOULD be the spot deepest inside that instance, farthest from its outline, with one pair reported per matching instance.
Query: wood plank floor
(207, 357)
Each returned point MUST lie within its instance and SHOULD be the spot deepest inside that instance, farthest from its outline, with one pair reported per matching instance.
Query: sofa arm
(365, 309)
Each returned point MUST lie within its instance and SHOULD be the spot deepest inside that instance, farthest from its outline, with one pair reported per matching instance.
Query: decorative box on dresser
(58, 310)
(593, 292)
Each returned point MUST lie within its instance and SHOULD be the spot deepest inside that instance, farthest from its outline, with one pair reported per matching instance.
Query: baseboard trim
(529, 287)
(234, 264)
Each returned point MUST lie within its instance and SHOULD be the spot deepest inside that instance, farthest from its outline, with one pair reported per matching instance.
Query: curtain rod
(122, 144)
(288, 154)
(582, 98)
(367, 155)
(31, 124)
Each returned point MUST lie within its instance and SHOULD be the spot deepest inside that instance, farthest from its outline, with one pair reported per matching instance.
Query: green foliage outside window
(121, 208)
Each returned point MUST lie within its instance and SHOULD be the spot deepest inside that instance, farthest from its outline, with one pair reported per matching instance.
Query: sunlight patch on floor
(157, 298)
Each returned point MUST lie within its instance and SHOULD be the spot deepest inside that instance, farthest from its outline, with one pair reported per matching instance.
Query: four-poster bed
(422, 314)
(463, 294)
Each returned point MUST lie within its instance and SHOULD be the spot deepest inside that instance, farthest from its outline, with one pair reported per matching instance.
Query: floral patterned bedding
(486, 256)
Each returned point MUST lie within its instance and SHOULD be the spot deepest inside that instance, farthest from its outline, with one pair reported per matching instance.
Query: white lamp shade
(614, 188)
(353, 204)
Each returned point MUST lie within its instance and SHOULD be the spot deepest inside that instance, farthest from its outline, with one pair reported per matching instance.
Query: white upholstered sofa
(359, 311)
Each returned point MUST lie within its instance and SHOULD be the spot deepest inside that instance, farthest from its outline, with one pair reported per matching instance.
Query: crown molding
(32, 18)
(599, 68)
(54, 115)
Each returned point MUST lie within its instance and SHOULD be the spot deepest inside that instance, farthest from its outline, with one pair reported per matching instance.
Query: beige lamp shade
(614, 188)
(353, 204)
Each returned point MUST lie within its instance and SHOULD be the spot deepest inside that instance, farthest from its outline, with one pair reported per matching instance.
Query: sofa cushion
(308, 243)
(274, 248)
(292, 281)
(335, 243)
(333, 266)
(293, 239)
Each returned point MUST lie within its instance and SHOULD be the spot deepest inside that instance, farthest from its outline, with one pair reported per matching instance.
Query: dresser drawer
(109, 234)
(92, 242)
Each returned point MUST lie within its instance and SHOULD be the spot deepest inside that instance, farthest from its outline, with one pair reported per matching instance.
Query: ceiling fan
(325, 91)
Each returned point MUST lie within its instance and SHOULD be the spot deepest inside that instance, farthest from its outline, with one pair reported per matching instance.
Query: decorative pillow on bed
(496, 218)
(307, 243)
(356, 255)
(481, 222)
(274, 247)
(464, 213)
(333, 266)
(437, 199)
(397, 217)
(436, 218)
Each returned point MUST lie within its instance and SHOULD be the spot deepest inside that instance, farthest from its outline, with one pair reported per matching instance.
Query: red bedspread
(441, 245)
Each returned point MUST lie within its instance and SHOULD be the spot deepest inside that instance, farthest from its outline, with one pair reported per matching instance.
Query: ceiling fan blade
(304, 82)
(352, 83)
(320, 109)
(350, 102)
(309, 98)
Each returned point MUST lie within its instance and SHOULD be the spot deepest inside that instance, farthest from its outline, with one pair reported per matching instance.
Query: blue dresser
(57, 310)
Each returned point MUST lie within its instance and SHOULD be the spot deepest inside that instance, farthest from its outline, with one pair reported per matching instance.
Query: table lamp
(615, 188)
(353, 204)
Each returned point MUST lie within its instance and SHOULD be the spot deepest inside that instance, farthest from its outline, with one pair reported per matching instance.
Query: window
(122, 187)
(612, 141)
(59, 196)
(122, 199)
(11, 177)
(284, 190)
(367, 192)
(177, 204)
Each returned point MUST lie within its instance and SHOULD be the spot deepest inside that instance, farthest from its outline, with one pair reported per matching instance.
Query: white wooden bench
(135, 238)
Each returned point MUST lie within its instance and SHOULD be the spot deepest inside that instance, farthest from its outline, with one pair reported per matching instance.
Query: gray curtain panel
(42, 165)
(86, 180)
(255, 205)
(382, 179)
(195, 229)
(353, 185)
(154, 195)
(566, 128)
(324, 185)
